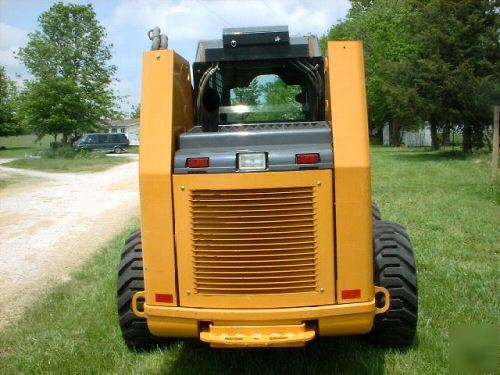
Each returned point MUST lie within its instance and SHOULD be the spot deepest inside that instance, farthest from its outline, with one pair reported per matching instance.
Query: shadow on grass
(428, 155)
(346, 355)
(16, 148)
(22, 148)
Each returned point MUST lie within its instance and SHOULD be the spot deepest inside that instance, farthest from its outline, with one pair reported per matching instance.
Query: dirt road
(50, 226)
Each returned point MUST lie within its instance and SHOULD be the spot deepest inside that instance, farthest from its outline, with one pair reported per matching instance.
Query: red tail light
(197, 163)
(306, 158)
(351, 293)
(165, 298)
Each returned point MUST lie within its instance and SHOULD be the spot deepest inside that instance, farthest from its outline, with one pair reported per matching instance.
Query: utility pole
(494, 154)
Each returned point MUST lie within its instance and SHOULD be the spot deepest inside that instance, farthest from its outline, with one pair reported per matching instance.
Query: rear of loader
(256, 218)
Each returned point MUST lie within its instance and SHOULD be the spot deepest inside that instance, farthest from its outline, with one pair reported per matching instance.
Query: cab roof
(257, 43)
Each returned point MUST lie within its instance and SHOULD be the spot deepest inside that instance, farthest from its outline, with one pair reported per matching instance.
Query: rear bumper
(328, 320)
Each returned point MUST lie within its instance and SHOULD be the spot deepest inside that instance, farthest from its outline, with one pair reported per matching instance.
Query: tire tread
(134, 330)
(394, 269)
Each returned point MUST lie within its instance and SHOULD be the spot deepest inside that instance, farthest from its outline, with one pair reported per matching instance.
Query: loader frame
(349, 305)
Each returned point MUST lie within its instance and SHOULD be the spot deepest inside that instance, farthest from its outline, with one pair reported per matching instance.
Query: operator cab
(258, 75)
(257, 90)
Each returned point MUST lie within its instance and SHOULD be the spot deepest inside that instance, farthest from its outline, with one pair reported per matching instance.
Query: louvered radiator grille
(254, 241)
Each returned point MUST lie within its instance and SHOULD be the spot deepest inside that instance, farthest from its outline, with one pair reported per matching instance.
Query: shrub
(55, 145)
(59, 151)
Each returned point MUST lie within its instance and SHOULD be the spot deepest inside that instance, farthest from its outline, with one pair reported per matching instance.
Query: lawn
(98, 162)
(452, 212)
(23, 145)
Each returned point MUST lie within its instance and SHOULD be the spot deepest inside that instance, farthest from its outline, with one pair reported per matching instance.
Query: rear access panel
(254, 240)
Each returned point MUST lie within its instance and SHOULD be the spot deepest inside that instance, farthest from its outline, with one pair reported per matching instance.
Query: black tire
(376, 215)
(118, 150)
(134, 330)
(394, 268)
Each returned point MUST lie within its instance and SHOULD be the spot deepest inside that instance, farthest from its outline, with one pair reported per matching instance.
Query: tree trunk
(478, 137)
(394, 134)
(488, 142)
(380, 135)
(446, 135)
(434, 137)
(65, 139)
(496, 142)
(467, 138)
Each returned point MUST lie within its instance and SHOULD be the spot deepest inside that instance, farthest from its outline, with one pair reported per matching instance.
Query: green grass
(98, 162)
(133, 149)
(452, 212)
(23, 145)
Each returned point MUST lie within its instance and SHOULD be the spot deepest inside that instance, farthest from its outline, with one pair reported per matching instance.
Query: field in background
(24, 146)
(96, 163)
(452, 211)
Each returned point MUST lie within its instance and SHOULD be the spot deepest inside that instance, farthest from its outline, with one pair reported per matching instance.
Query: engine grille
(254, 241)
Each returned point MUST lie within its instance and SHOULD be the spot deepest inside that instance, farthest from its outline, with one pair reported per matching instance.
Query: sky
(184, 21)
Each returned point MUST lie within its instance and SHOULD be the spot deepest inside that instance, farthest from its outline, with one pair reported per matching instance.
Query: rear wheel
(376, 215)
(135, 330)
(394, 269)
(118, 150)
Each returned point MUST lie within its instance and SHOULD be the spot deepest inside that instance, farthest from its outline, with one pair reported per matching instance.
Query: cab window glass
(267, 98)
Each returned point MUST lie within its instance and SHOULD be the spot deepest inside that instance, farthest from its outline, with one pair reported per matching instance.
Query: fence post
(494, 154)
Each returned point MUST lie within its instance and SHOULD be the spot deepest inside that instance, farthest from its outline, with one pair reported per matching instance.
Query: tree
(277, 93)
(247, 95)
(361, 5)
(8, 95)
(69, 60)
(432, 60)
(456, 70)
(276, 100)
(384, 28)
(136, 111)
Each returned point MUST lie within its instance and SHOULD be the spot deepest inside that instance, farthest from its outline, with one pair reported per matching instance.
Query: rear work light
(306, 158)
(197, 162)
(252, 161)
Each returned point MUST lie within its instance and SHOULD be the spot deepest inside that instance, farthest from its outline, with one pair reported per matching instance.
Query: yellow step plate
(257, 336)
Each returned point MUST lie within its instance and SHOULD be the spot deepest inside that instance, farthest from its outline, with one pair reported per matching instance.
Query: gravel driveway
(49, 227)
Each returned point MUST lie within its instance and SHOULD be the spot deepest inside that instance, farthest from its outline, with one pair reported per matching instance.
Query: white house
(418, 138)
(415, 138)
(129, 127)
